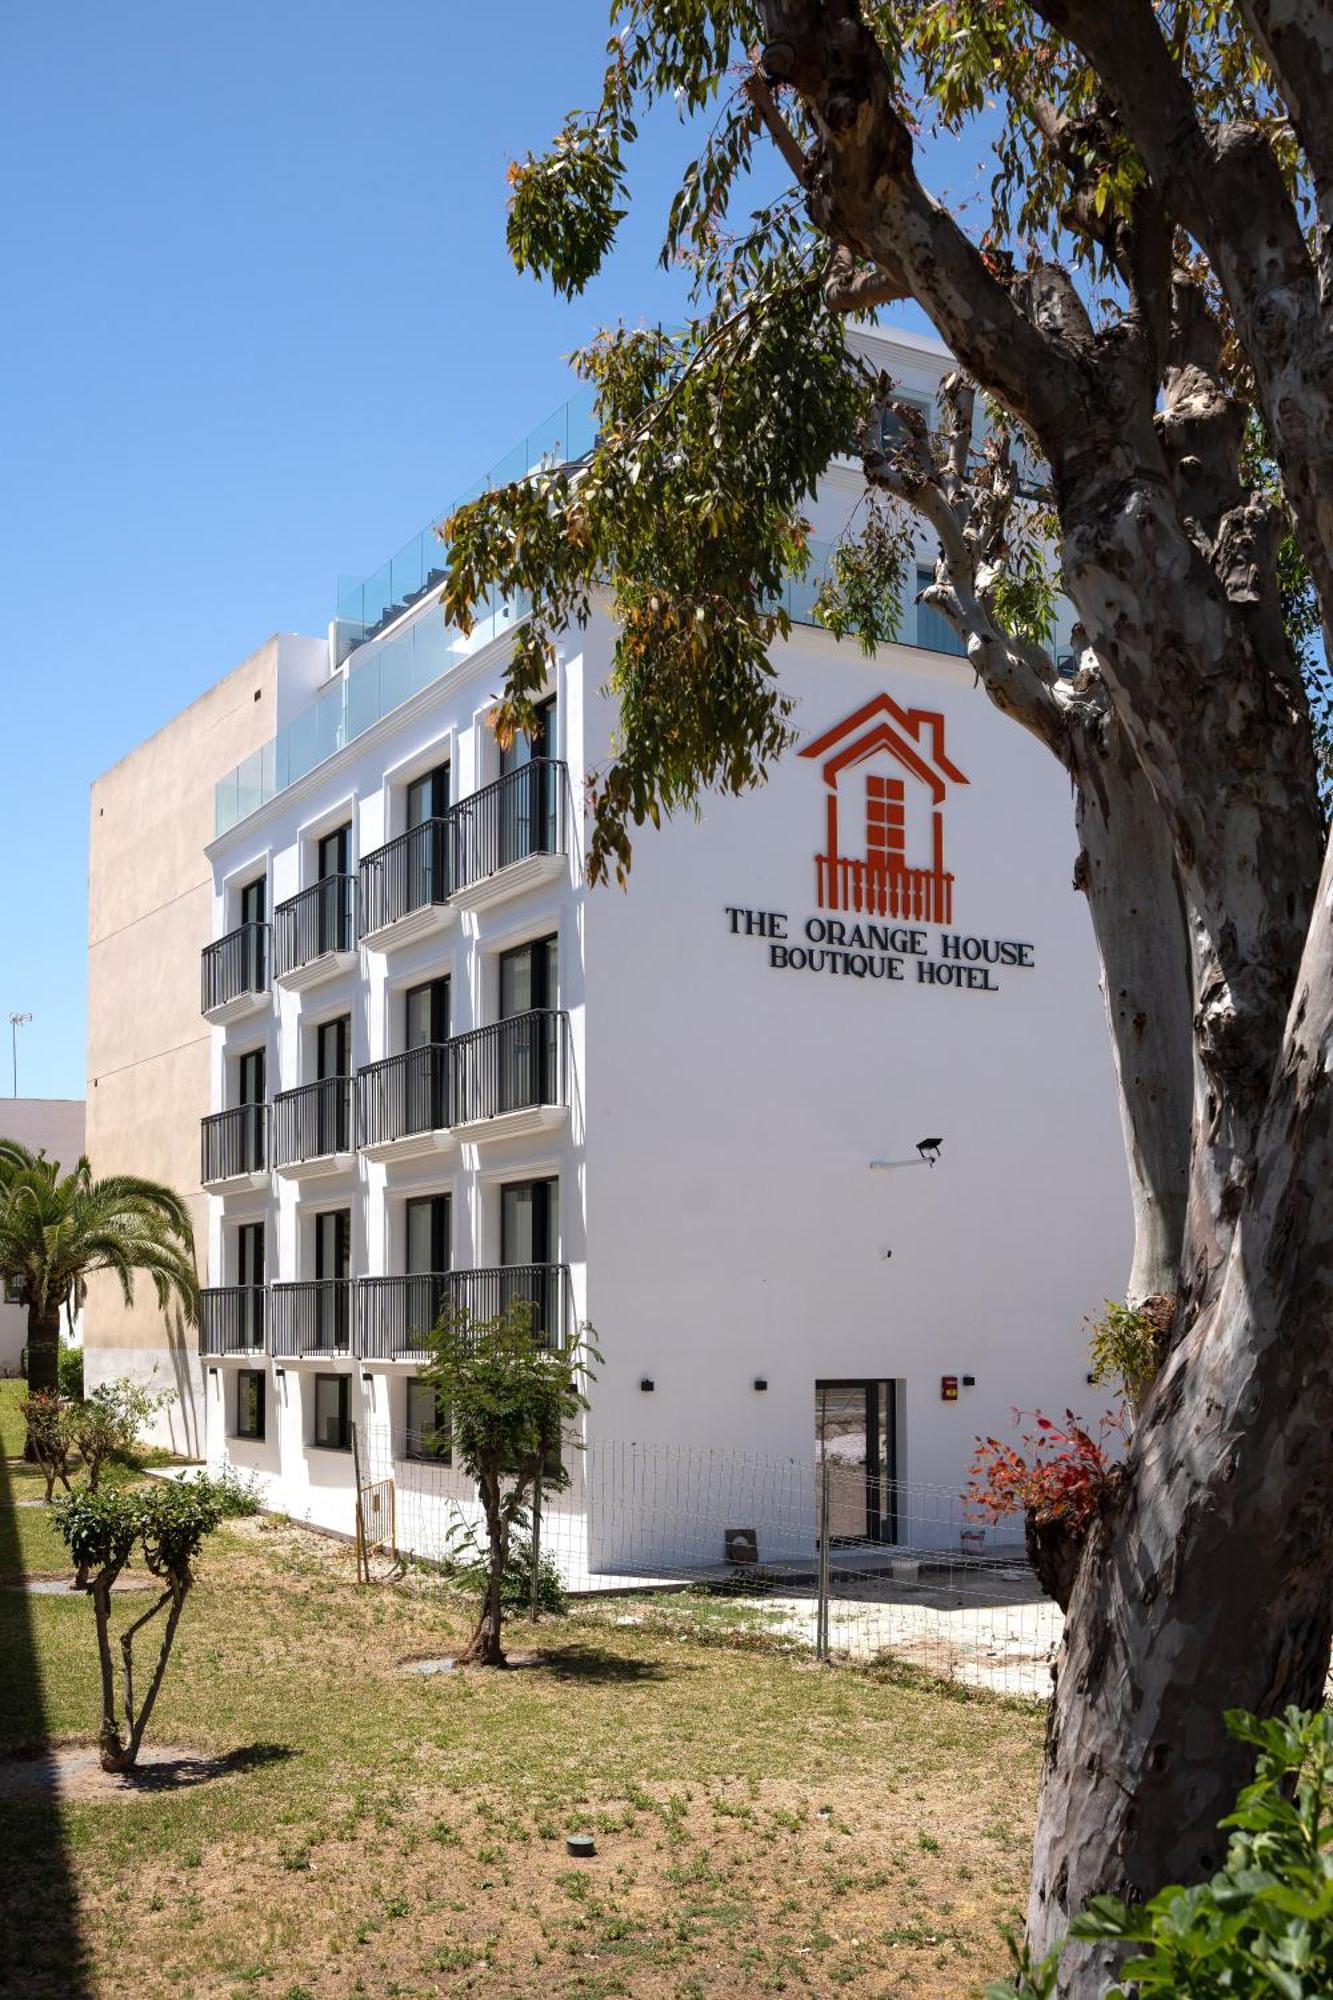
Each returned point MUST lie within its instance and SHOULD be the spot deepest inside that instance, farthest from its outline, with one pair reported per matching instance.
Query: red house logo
(886, 778)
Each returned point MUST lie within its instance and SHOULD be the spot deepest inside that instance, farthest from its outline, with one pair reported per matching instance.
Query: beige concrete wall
(150, 914)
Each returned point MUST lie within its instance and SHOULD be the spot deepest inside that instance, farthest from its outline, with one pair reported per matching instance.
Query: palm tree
(57, 1228)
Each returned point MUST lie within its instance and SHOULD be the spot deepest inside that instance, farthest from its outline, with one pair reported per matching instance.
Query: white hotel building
(692, 1113)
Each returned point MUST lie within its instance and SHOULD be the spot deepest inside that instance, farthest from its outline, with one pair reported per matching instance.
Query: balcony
(403, 1105)
(395, 1314)
(314, 934)
(231, 1319)
(405, 887)
(511, 1079)
(312, 1129)
(310, 1318)
(512, 835)
(234, 1150)
(234, 975)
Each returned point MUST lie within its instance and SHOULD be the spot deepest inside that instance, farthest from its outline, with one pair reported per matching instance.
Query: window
(541, 743)
(16, 1291)
(933, 632)
(333, 1048)
(427, 1423)
(250, 1253)
(426, 1014)
(254, 901)
(428, 796)
(332, 852)
(333, 1265)
(529, 1222)
(427, 1234)
(333, 1424)
(249, 1403)
(250, 1077)
(528, 977)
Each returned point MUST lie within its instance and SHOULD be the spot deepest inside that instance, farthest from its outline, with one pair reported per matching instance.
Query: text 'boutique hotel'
(813, 1124)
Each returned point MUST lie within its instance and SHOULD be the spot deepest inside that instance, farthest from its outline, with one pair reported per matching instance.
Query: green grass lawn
(763, 1825)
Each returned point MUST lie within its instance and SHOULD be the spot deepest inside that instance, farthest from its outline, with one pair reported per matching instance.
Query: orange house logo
(886, 779)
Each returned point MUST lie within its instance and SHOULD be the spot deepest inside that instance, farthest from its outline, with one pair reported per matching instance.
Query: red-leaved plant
(1059, 1482)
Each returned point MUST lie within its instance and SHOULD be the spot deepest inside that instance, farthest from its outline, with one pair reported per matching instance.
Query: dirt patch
(73, 1771)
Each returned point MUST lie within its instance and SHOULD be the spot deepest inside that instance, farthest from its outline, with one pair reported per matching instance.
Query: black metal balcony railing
(313, 1121)
(312, 1317)
(405, 875)
(234, 965)
(395, 1314)
(524, 813)
(231, 1319)
(510, 1066)
(234, 1142)
(404, 1095)
(320, 920)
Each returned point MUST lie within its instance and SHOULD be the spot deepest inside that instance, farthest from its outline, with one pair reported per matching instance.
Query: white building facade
(812, 1124)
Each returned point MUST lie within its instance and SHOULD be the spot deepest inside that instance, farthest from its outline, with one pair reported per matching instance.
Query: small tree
(50, 1422)
(509, 1397)
(168, 1524)
(110, 1420)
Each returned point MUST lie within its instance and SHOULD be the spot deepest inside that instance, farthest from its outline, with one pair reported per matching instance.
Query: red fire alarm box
(948, 1388)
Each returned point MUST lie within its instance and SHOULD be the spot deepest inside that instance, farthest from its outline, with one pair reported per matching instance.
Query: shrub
(1262, 1929)
(108, 1423)
(468, 1566)
(50, 1423)
(234, 1497)
(167, 1523)
(70, 1367)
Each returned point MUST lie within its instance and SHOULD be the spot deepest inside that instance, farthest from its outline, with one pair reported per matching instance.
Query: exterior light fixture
(367, 1377)
(279, 1374)
(761, 1382)
(969, 1381)
(646, 1384)
(928, 1151)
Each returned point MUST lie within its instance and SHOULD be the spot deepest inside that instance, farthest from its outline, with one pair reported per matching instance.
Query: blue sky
(259, 327)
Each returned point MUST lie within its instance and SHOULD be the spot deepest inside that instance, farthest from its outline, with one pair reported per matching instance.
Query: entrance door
(857, 1447)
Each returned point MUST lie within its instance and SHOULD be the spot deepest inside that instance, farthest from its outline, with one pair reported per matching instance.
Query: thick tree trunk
(43, 1360)
(1128, 873)
(1211, 1586)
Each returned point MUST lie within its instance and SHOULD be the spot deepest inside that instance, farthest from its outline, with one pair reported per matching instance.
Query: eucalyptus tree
(56, 1229)
(1143, 303)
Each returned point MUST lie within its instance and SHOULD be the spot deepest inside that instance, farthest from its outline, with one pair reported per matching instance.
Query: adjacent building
(813, 1124)
(54, 1126)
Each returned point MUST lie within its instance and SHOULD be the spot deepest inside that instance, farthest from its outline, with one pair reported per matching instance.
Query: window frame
(259, 1378)
(344, 1387)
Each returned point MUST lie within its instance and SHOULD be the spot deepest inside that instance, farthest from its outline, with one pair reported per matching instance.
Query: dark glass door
(527, 801)
(333, 1267)
(250, 1279)
(427, 803)
(333, 1061)
(254, 910)
(529, 1239)
(527, 1052)
(335, 890)
(428, 1258)
(857, 1445)
(250, 1077)
(426, 1069)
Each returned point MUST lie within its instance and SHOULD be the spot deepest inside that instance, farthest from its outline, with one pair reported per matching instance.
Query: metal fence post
(535, 1603)
(821, 1602)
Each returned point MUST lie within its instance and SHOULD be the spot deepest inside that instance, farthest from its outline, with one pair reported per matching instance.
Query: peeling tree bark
(1223, 1545)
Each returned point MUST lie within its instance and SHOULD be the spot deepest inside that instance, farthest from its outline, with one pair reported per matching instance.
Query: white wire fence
(817, 1554)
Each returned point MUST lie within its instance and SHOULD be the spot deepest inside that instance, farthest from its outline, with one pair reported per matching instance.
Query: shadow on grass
(42, 1950)
(591, 1663)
